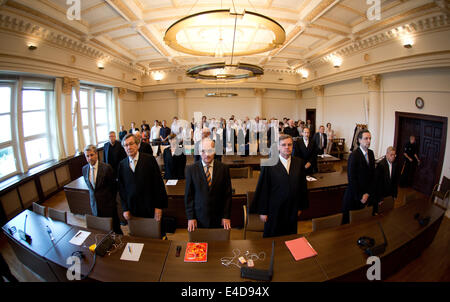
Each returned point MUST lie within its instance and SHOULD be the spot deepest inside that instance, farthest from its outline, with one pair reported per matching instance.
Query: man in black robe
(411, 161)
(281, 193)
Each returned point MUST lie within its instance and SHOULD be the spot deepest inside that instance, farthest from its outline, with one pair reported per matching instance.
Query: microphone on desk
(423, 220)
(23, 234)
(371, 250)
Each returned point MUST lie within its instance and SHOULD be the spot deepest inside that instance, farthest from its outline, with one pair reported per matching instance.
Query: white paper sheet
(171, 182)
(309, 178)
(132, 251)
(79, 237)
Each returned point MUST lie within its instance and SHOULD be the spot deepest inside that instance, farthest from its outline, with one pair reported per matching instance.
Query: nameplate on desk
(132, 251)
(310, 178)
(172, 182)
(79, 237)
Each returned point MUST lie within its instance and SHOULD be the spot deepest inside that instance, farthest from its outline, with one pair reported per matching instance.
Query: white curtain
(115, 111)
(56, 122)
(77, 119)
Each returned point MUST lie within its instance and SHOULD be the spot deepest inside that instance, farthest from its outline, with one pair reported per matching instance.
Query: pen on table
(129, 249)
(79, 232)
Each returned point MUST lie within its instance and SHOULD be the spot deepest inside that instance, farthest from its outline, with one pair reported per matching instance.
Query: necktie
(208, 176)
(367, 157)
(133, 165)
(321, 141)
(93, 177)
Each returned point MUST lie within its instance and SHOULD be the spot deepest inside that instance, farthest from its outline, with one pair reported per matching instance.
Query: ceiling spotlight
(303, 72)
(100, 65)
(337, 61)
(32, 47)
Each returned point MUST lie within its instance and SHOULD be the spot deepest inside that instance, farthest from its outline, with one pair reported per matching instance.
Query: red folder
(300, 248)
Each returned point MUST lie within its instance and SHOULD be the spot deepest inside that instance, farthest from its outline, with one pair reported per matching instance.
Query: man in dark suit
(320, 139)
(306, 149)
(143, 146)
(100, 180)
(281, 193)
(133, 128)
(113, 152)
(164, 133)
(141, 187)
(360, 191)
(291, 130)
(122, 133)
(387, 176)
(174, 160)
(208, 193)
(229, 139)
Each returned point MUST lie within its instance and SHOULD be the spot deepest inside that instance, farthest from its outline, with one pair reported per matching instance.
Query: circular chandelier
(220, 94)
(225, 33)
(224, 72)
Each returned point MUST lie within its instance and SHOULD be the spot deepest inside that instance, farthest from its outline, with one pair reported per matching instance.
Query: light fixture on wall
(100, 65)
(337, 61)
(303, 72)
(32, 47)
(157, 75)
(407, 41)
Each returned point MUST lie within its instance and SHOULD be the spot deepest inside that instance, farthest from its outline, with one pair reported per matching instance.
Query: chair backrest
(99, 223)
(201, 235)
(240, 172)
(38, 209)
(326, 222)
(57, 215)
(387, 205)
(144, 227)
(358, 215)
(252, 222)
(445, 185)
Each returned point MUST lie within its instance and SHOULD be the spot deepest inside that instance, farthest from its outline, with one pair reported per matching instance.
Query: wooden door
(431, 136)
(311, 115)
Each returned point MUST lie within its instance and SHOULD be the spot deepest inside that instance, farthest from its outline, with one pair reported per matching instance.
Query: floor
(432, 265)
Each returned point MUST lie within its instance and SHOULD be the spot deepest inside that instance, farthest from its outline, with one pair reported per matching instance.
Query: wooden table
(339, 257)
(32, 254)
(111, 268)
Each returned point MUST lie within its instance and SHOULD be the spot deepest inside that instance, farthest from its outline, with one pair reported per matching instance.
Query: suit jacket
(145, 148)
(122, 134)
(316, 140)
(103, 196)
(308, 154)
(291, 131)
(386, 184)
(174, 165)
(208, 205)
(113, 155)
(232, 139)
(361, 180)
(143, 190)
(280, 196)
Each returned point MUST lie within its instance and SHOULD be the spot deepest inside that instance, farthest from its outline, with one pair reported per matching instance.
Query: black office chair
(252, 223)
(57, 215)
(202, 235)
(38, 209)
(144, 227)
(326, 222)
(99, 223)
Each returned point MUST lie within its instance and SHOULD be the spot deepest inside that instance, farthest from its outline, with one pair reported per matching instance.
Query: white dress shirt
(154, 133)
(133, 161)
(390, 168)
(93, 180)
(286, 163)
(364, 153)
(306, 141)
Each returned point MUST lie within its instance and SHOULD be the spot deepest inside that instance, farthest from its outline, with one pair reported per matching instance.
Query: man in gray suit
(100, 180)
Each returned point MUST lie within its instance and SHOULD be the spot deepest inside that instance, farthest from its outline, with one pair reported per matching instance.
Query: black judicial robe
(280, 196)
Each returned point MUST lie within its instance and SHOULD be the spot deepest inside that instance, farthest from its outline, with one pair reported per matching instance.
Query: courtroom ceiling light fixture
(336, 60)
(32, 47)
(224, 72)
(221, 94)
(101, 65)
(224, 32)
(407, 41)
(303, 72)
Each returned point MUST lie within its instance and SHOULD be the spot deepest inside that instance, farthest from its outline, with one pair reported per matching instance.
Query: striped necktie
(93, 176)
(208, 176)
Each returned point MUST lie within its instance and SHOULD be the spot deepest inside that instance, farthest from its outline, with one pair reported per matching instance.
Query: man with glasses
(281, 193)
(141, 187)
(208, 193)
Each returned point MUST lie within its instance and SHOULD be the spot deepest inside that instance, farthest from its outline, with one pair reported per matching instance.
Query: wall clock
(419, 103)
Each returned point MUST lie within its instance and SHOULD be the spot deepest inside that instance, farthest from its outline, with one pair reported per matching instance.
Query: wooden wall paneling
(63, 175)
(48, 183)
(28, 193)
(11, 203)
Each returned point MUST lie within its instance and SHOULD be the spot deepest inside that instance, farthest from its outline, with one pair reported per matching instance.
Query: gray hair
(90, 148)
(136, 140)
(390, 149)
(283, 137)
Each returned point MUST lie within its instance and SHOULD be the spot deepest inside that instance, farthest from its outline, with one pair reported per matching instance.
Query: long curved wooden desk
(339, 257)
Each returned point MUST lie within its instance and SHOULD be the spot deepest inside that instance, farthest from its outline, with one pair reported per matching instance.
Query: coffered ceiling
(134, 29)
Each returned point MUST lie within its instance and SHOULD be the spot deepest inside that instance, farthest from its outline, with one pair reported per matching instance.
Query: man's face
(208, 151)
(390, 156)
(132, 125)
(285, 147)
(112, 137)
(291, 123)
(164, 123)
(91, 157)
(155, 123)
(364, 142)
(131, 147)
(322, 129)
(412, 139)
(306, 132)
